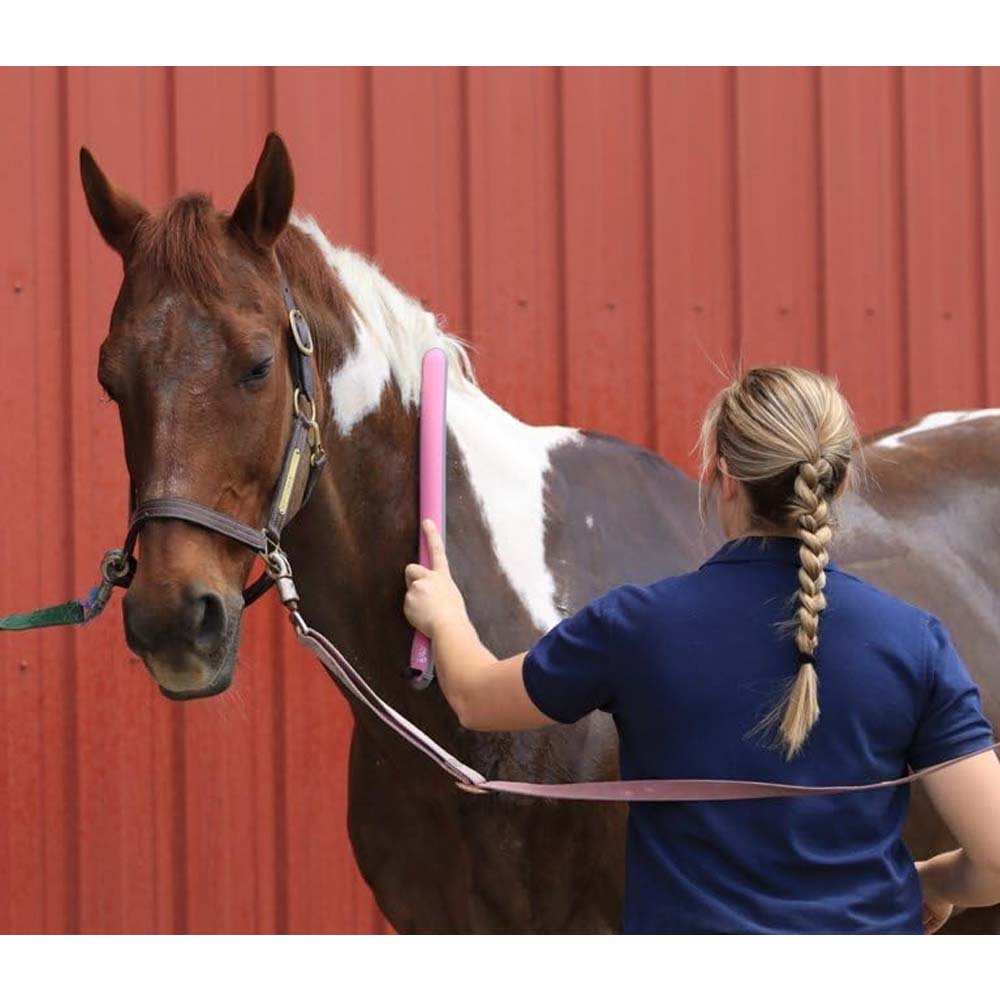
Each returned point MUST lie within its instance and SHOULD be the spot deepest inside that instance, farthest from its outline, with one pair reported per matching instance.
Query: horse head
(197, 361)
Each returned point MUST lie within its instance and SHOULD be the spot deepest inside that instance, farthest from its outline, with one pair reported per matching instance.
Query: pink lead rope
(433, 446)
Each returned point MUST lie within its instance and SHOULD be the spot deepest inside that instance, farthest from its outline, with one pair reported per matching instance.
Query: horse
(540, 520)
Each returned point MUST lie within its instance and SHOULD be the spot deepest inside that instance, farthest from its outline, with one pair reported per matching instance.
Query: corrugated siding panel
(695, 269)
(514, 218)
(862, 196)
(607, 234)
(605, 238)
(778, 218)
(942, 149)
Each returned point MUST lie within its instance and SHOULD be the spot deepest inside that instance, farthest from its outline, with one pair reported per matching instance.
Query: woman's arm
(967, 798)
(484, 692)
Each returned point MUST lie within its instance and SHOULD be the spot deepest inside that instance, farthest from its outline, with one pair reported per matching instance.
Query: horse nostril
(207, 620)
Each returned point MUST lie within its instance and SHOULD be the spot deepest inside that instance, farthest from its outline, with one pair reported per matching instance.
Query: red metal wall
(604, 238)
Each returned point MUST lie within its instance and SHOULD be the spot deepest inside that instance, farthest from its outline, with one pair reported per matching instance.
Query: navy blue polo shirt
(687, 667)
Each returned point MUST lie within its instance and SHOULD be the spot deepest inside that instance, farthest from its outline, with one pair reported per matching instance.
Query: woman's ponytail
(778, 428)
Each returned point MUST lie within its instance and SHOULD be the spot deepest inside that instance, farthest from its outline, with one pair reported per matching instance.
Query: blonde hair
(787, 435)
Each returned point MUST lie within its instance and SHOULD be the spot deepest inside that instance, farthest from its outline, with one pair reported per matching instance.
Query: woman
(721, 673)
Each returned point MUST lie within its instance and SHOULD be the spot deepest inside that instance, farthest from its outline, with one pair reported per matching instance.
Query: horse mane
(181, 244)
(401, 327)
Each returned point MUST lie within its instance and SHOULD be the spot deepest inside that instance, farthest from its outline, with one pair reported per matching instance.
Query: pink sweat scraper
(433, 455)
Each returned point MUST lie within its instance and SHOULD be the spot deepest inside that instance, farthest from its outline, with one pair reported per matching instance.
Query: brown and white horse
(540, 520)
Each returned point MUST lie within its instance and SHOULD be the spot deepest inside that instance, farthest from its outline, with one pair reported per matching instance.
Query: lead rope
(118, 566)
(470, 780)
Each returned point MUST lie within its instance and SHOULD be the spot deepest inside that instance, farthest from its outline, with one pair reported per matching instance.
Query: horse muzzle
(187, 636)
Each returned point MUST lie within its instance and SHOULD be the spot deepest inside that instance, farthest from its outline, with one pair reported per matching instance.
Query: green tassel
(70, 613)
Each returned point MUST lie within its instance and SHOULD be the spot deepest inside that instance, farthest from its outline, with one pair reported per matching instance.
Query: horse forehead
(174, 328)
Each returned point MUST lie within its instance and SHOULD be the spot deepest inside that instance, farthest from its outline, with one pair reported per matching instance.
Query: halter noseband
(304, 459)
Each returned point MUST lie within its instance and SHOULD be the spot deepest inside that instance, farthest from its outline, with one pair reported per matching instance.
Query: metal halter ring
(276, 564)
(297, 399)
(294, 317)
(115, 565)
(314, 436)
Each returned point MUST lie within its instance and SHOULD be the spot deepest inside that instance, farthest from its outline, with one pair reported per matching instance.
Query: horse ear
(263, 209)
(116, 213)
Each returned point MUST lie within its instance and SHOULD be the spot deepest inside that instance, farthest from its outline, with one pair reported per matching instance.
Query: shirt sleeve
(952, 723)
(570, 671)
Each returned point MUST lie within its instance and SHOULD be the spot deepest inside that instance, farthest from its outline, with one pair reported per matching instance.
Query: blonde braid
(800, 710)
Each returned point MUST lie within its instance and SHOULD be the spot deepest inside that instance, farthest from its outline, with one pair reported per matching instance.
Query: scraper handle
(433, 446)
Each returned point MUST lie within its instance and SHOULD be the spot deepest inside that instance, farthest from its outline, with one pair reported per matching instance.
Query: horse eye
(259, 371)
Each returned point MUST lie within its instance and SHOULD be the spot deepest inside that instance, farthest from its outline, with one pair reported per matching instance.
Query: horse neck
(350, 544)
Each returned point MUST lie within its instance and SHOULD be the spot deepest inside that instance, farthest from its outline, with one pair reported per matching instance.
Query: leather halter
(300, 469)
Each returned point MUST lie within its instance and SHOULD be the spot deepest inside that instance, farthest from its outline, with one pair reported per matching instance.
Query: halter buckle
(303, 343)
(313, 435)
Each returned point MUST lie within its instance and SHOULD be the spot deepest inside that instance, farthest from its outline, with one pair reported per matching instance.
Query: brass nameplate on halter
(286, 490)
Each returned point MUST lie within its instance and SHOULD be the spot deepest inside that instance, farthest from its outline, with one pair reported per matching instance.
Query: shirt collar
(760, 548)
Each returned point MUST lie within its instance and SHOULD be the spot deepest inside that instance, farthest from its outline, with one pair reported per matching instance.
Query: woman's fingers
(435, 546)
(414, 571)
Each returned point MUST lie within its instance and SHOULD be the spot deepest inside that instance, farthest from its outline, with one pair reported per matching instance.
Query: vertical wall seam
(822, 317)
(282, 819)
(366, 145)
(40, 536)
(465, 196)
(979, 217)
(899, 100)
(368, 98)
(271, 97)
(178, 728)
(649, 202)
(279, 857)
(72, 776)
(737, 229)
(171, 96)
(562, 294)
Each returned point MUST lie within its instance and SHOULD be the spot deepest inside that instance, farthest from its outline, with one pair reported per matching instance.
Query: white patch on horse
(933, 421)
(356, 386)
(507, 462)
(394, 332)
(589, 521)
(506, 459)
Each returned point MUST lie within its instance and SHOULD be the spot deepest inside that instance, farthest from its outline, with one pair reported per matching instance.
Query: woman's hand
(936, 914)
(485, 693)
(432, 599)
(936, 910)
